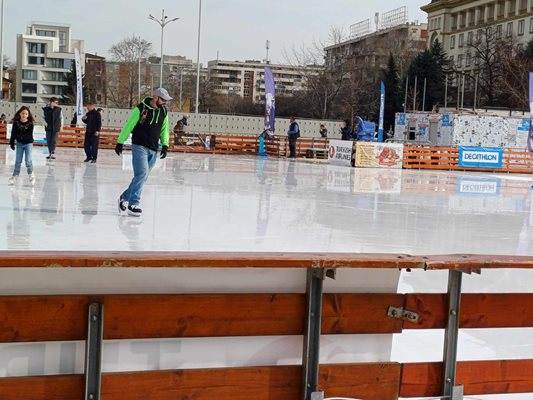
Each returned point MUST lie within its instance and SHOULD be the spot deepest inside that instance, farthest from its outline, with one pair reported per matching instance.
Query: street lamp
(198, 58)
(143, 44)
(162, 22)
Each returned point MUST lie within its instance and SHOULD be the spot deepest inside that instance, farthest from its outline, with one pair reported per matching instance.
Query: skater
(93, 120)
(148, 124)
(22, 136)
(294, 134)
(54, 121)
(323, 131)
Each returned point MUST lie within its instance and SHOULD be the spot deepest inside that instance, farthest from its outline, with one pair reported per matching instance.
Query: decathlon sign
(340, 152)
(481, 157)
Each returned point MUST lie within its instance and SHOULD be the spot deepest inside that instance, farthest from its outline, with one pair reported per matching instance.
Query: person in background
(346, 130)
(93, 121)
(3, 119)
(294, 134)
(323, 131)
(184, 120)
(54, 121)
(149, 124)
(22, 136)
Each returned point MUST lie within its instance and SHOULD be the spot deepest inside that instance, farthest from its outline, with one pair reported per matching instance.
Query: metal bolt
(453, 312)
(449, 380)
(91, 397)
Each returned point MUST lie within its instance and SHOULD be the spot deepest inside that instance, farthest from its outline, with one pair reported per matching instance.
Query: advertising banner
(79, 87)
(480, 157)
(340, 152)
(270, 101)
(379, 155)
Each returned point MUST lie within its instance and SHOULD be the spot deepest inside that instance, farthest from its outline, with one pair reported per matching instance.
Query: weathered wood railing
(65, 318)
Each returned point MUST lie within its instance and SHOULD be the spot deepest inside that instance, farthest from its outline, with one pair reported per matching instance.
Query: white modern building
(45, 55)
(458, 23)
(246, 79)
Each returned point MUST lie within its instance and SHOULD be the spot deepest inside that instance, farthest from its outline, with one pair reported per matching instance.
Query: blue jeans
(143, 160)
(23, 150)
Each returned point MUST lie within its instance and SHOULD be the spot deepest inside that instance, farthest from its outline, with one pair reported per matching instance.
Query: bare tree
(487, 52)
(123, 83)
(322, 85)
(515, 80)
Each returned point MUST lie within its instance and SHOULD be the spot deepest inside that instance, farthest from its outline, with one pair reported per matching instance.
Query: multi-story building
(45, 55)
(95, 78)
(372, 50)
(246, 79)
(459, 23)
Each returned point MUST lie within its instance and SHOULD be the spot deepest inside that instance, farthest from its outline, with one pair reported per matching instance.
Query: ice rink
(236, 203)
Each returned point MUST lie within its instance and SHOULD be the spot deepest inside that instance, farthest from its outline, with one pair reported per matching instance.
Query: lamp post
(142, 47)
(198, 58)
(162, 22)
(181, 88)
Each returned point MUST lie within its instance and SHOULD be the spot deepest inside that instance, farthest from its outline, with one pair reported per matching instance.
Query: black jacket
(93, 120)
(52, 117)
(21, 133)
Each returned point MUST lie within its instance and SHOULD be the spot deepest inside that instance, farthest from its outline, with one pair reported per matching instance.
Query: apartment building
(45, 55)
(458, 23)
(372, 49)
(246, 78)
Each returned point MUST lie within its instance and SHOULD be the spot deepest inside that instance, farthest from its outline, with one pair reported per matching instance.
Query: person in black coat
(346, 130)
(93, 122)
(54, 122)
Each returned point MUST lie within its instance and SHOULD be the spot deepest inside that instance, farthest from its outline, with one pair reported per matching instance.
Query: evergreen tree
(69, 92)
(430, 65)
(393, 98)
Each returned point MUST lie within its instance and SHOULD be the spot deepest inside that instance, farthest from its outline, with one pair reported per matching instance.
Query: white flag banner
(79, 87)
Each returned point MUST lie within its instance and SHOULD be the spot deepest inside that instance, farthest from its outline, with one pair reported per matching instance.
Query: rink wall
(198, 123)
(98, 320)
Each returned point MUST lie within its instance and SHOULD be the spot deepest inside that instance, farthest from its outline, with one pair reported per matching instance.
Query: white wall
(216, 123)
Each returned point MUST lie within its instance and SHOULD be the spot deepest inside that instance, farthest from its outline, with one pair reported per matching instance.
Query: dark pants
(51, 138)
(91, 145)
(292, 145)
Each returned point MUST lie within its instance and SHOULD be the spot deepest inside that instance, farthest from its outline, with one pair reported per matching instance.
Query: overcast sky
(237, 29)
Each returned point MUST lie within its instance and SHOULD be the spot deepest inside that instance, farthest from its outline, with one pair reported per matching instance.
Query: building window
(452, 42)
(479, 35)
(531, 25)
(26, 99)
(39, 48)
(35, 60)
(468, 59)
(509, 29)
(451, 59)
(40, 32)
(29, 88)
(476, 60)
(460, 60)
(470, 38)
(29, 74)
(55, 63)
(62, 42)
(461, 40)
(521, 27)
(499, 32)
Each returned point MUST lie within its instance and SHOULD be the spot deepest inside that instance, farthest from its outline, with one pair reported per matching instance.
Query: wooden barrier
(64, 318)
(447, 158)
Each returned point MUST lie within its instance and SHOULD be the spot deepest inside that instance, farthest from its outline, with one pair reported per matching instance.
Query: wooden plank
(132, 259)
(368, 381)
(62, 318)
(513, 310)
(478, 377)
(476, 262)
(59, 387)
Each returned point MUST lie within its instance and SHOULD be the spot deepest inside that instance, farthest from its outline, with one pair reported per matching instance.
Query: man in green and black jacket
(148, 124)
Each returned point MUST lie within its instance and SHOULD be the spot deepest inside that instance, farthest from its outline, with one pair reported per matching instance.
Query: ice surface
(238, 203)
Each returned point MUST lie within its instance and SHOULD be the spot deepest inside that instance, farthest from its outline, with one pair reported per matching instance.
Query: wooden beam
(129, 259)
(368, 381)
(509, 310)
(54, 318)
(478, 377)
(59, 387)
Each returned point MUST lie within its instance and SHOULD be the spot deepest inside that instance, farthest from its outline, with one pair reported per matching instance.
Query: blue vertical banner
(270, 101)
(79, 87)
(381, 113)
(530, 136)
